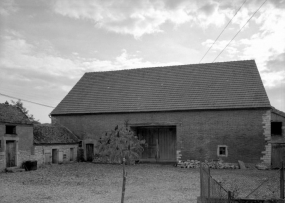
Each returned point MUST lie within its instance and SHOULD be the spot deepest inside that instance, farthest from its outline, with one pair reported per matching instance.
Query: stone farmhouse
(22, 141)
(16, 137)
(202, 111)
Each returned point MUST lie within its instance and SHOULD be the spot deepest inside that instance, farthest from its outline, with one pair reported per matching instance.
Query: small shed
(56, 144)
(277, 137)
(16, 137)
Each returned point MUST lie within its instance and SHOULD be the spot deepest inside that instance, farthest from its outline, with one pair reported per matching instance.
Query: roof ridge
(178, 65)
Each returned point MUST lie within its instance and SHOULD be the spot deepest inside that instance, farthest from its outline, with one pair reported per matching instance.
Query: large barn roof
(223, 85)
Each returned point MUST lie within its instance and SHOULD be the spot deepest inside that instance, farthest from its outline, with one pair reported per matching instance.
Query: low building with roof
(277, 137)
(16, 137)
(200, 111)
(55, 143)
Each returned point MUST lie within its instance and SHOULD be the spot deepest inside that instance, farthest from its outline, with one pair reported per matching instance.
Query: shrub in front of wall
(118, 144)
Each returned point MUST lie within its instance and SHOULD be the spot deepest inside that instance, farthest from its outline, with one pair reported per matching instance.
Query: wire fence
(210, 189)
(240, 186)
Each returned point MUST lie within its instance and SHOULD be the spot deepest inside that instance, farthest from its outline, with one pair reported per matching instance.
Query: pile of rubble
(212, 164)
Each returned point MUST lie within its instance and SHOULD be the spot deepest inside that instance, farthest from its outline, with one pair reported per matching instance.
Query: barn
(200, 111)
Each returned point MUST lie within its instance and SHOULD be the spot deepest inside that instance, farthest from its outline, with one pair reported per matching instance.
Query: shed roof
(49, 134)
(276, 111)
(222, 85)
(13, 115)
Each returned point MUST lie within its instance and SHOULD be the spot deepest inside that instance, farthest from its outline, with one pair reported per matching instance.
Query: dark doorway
(54, 156)
(10, 153)
(71, 154)
(161, 143)
(89, 152)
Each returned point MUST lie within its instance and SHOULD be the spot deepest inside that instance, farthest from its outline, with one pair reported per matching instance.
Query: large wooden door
(10, 153)
(167, 144)
(89, 152)
(161, 143)
(277, 155)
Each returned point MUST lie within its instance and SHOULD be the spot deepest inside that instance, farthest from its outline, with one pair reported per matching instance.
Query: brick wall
(198, 132)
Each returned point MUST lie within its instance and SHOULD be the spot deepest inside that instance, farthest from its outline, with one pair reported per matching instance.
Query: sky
(46, 46)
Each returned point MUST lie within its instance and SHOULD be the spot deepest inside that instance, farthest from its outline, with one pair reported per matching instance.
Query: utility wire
(26, 100)
(222, 32)
(239, 30)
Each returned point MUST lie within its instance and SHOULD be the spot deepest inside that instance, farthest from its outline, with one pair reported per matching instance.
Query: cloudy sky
(46, 46)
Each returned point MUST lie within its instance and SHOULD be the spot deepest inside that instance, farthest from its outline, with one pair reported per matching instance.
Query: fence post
(209, 183)
(229, 196)
(282, 181)
(201, 182)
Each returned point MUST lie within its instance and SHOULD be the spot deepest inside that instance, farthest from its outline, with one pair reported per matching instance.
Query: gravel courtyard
(88, 182)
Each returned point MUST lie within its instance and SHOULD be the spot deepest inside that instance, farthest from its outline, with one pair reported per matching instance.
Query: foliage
(20, 105)
(118, 144)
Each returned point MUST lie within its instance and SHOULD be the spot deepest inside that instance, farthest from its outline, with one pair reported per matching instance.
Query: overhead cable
(239, 30)
(221, 32)
(27, 100)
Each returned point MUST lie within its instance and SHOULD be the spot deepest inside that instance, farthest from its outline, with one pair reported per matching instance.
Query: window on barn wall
(80, 144)
(276, 128)
(10, 129)
(222, 150)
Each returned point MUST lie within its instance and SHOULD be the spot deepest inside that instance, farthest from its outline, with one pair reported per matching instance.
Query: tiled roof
(48, 134)
(235, 84)
(276, 111)
(13, 115)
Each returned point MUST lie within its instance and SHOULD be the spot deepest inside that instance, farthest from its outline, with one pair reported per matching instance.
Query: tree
(20, 105)
(118, 144)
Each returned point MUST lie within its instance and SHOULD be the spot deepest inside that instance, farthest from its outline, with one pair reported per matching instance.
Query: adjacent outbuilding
(197, 112)
(277, 137)
(55, 144)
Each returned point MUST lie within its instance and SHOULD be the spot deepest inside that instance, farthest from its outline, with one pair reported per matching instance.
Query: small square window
(10, 129)
(222, 150)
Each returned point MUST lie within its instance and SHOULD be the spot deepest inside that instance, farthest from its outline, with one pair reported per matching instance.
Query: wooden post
(201, 182)
(209, 183)
(124, 181)
(282, 181)
(157, 150)
(229, 196)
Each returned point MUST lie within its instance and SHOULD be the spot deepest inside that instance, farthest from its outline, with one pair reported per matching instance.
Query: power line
(222, 32)
(239, 31)
(26, 100)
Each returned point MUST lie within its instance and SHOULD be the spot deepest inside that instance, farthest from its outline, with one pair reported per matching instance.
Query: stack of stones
(212, 164)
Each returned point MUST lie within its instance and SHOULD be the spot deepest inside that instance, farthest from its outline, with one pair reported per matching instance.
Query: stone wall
(198, 132)
(23, 140)
(63, 153)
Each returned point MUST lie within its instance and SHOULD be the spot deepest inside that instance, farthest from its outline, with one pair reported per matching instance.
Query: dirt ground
(88, 182)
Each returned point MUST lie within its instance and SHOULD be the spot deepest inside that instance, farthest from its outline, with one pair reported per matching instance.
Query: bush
(118, 144)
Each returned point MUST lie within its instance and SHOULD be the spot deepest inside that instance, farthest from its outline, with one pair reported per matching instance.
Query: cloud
(143, 17)
(24, 63)
(7, 7)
